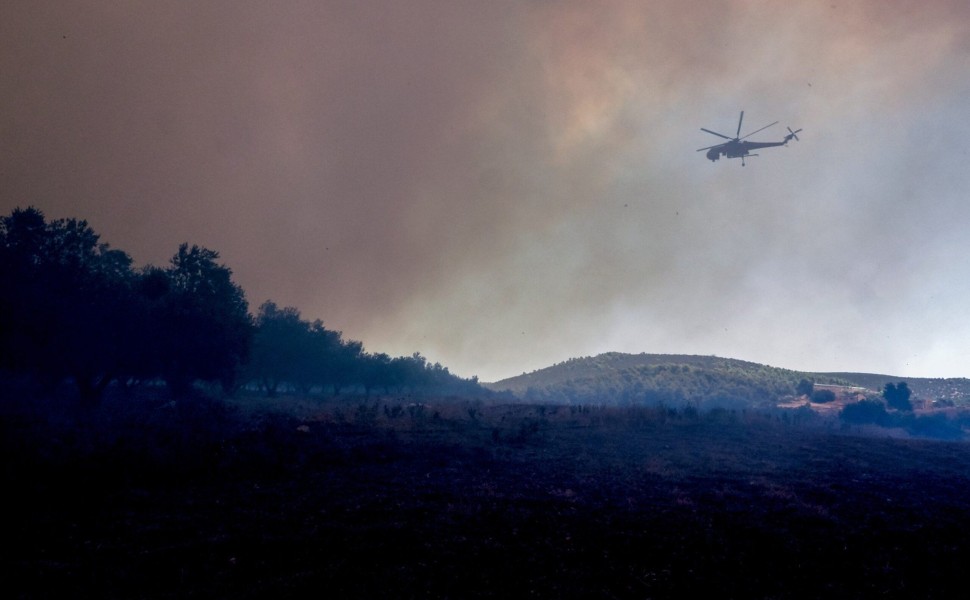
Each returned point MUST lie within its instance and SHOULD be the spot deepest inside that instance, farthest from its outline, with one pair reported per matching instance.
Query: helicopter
(736, 147)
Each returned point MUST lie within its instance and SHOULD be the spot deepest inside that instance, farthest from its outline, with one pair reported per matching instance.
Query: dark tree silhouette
(342, 367)
(823, 396)
(279, 347)
(327, 353)
(375, 372)
(23, 332)
(145, 357)
(205, 327)
(67, 302)
(72, 308)
(805, 388)
(290, 351)
(897, 396)
(865, 411)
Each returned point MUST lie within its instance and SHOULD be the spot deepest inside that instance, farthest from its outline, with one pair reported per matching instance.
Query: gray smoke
(504, 185)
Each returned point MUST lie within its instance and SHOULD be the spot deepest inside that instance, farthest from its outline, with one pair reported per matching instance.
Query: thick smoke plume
(503, 185)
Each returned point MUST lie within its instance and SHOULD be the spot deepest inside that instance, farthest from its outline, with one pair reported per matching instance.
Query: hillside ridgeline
(703, 381)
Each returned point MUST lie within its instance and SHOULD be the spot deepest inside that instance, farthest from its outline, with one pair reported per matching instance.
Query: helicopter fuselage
(737, 147)
(740, 149)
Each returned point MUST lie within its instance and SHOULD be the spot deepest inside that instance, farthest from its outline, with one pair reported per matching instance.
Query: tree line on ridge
(73, 309)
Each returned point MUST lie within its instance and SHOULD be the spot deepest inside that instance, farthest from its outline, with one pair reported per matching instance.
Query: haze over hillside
(710, 381)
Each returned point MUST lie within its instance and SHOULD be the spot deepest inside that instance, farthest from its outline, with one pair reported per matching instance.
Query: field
(390, 498)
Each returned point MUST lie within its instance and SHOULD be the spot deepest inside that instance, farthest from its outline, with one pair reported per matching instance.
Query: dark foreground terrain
(393, 499)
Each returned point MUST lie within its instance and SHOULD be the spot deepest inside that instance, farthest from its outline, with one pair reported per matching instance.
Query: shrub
(865, 411)
(804, 388)
(823, 396)
(935, 426)
(897, 396)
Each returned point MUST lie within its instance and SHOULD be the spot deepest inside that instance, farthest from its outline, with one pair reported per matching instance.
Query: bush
(823, 396)
(897, 396)
(865, 411)
(935, 426)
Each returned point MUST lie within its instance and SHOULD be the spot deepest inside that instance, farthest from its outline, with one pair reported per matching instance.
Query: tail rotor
(792, 134)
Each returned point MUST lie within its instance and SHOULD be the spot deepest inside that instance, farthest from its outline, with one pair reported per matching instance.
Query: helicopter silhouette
(736, 147)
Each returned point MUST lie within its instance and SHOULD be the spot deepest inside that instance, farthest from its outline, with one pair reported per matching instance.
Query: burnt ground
(461, 500)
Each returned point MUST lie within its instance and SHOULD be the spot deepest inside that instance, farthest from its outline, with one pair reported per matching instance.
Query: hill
(703, 381)
(954, 390)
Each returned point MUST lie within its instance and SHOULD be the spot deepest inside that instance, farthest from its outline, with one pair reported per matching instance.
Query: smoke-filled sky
(503, 185)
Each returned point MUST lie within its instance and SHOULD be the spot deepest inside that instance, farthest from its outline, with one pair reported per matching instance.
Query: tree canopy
(74, 309)
(204, 322)
(290, 352)
(897, 396)
(66, 301)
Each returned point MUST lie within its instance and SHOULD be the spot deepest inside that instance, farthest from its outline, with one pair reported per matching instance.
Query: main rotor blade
(709, 147)
(739, 125)
(716, 133)
(762, 129)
